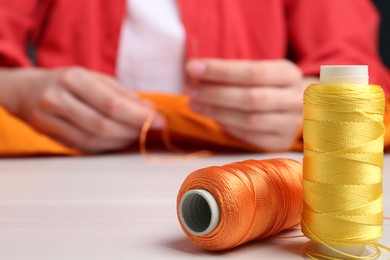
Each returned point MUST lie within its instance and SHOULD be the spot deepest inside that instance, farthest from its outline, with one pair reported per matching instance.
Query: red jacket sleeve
(335, 32)
(16, 22)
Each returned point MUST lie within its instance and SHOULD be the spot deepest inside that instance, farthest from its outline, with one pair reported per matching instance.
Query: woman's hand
(80, 108)
(259, 102)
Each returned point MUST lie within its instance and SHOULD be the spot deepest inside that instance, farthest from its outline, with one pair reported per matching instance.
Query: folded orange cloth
(19, 139)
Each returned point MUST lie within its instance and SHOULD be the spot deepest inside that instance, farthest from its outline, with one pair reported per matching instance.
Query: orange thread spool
(221, 207)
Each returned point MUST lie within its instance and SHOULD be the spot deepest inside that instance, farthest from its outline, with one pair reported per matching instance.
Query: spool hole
(199, 213)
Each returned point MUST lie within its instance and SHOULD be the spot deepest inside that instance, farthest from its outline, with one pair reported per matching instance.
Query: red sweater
(308, 32)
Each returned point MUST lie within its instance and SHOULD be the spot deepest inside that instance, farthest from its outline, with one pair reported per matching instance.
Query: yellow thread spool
(342, 165)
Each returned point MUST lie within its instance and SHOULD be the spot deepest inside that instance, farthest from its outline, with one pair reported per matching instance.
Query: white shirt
(151, 47)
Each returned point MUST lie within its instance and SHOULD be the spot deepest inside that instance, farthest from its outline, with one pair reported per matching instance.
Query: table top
(116, 207)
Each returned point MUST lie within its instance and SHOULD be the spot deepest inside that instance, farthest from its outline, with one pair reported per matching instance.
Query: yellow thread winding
(343, 162)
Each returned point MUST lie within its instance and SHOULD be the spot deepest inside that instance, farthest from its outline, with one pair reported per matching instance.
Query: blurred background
(384, 46)
(384, 8)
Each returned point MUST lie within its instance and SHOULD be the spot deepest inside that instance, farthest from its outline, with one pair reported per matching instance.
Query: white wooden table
(115, 207)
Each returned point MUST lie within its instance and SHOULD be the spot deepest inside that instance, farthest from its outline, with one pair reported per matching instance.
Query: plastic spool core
(350, 250)
(199, 212)
(349, 74)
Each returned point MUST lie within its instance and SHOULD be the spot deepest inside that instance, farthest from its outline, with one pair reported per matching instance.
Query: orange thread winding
(256, 199)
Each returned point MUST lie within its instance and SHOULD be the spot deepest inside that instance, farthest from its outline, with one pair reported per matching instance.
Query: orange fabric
(18, 139)
(194, 127)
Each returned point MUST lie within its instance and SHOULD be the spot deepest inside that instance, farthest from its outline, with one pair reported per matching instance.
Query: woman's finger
(280, 72)
(271, 122)
(106, 100)
(60, 129)
(248, 99)
(65, 105)
(265, 141)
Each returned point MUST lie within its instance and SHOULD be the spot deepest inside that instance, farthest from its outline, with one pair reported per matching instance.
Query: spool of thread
(342, 165)
(221, 207)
